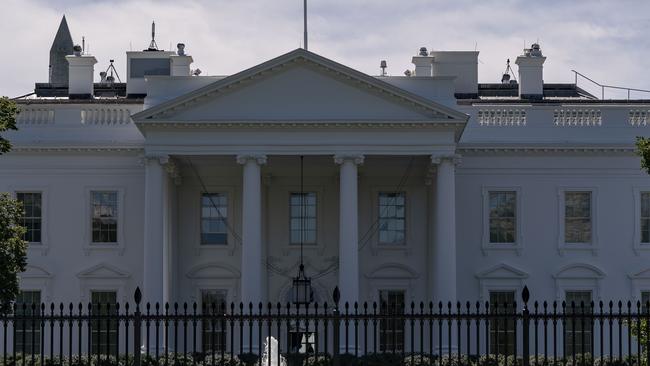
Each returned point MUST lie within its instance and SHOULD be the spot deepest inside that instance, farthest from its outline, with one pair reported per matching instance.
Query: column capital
(148, 159)
(357, 159)
(259, 159)
(455, 159)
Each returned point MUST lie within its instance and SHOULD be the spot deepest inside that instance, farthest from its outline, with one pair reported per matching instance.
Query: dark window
(104, 212)
(577, 217)
(27, 330)
(141, 67)
(32, 219)
(213, 335)
(392, 217)
(391, 330)
(578, 330)
(104, 325)
(297, 202)
(645, 217)
(502, 325)
(503, 219)
(214, 219)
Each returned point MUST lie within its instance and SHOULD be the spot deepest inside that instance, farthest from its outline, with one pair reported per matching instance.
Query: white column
(252, 265)
(348, 228)
(155, 199)
(444, 250)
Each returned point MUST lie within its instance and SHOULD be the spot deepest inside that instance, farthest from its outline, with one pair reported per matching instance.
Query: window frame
(569, 324)
(29, 327)
(407, 247)
(486, 245)
(229, 237)
(512, 328)
(224, 341)
(380, 329)
(102, 325)
(234, 212)
(378, 218)
(639, 247)
(563, 246)
(44, 245)
(119, 245)
(317, 218)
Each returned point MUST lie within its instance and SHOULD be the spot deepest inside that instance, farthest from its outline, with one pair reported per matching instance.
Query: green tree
(13, 249)
(8, 113)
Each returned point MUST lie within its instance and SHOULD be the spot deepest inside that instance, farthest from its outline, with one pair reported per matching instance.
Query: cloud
(605, 40)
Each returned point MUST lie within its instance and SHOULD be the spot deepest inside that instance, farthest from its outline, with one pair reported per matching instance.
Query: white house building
(428, 186)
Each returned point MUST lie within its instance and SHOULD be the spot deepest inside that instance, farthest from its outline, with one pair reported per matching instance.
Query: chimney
(463, 65)
(531, 78)
(180, 62)
(423, 63)
(80, 74)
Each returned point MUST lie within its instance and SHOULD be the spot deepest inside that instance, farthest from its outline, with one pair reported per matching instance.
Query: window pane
(503, 208)
(31, 219)
(502, 328)
(104, 216)
(303, 217)
(578, 333)
(27, 329)
(213, 332)
(214, 219)
(104, 325)
(392, 218)
(391, 329)
(577, 217)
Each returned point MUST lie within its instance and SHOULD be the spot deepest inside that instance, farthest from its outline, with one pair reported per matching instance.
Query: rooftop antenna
(383, 66)
(83, 44)
(111, 69)
(505, 79)
(305, 24)
(153, 46)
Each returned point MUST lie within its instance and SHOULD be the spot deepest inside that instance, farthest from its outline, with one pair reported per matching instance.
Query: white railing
(577, 117)
(639, 117)
(502, 117)
(35, 115)
(105, 116)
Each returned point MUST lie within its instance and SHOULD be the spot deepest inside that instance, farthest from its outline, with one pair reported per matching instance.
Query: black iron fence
(323, 334)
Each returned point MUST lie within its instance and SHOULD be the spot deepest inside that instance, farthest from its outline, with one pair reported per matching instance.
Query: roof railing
(603, 86)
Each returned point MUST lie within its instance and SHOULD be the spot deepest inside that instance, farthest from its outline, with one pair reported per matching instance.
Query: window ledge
(499, 247)
(641, 248)
(405, 248)
(119, 247)
(567, 247)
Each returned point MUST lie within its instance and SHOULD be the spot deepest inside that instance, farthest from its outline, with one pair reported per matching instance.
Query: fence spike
(137, 296)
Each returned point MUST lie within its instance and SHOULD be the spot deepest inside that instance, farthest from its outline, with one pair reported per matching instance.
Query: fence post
(137, 327)
(525, 296)
(337, 327)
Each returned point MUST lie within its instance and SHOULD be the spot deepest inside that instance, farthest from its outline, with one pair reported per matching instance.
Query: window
(503, 220)
(104, 326)
(214, 219)
(296, 202)
(104, 216)
(578, 330)
(27, 329)
(213, 331)
(392, 220)
(502, 326)
(645, 217)
(391, 330)
(577, 217)
(32, 218)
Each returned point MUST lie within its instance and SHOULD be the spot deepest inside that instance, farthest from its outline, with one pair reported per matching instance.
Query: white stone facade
(360, 135)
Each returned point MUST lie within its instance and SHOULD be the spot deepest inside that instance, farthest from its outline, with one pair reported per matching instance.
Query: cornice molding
(320, 124)
(77, 149)
(455, 159)
(546, 149)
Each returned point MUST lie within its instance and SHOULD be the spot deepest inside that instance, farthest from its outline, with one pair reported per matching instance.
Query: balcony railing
(322, 334)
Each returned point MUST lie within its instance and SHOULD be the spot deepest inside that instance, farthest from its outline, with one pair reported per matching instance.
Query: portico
(351, 120)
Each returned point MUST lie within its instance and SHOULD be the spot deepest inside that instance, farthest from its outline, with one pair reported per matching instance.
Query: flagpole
(305, 24)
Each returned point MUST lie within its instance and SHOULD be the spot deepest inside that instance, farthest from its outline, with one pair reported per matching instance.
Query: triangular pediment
(502, 271)
(643, 274)
(299, 86)
(103, 270)
(35, 272)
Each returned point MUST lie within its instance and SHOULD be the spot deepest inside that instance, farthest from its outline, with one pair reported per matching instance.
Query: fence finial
(137, 296)
(337, 295)
(525, 294)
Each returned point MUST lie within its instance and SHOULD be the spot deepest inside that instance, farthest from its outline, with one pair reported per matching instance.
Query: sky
(605, 40)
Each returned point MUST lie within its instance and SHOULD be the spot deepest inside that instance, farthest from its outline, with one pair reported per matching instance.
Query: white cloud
(605, 40)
